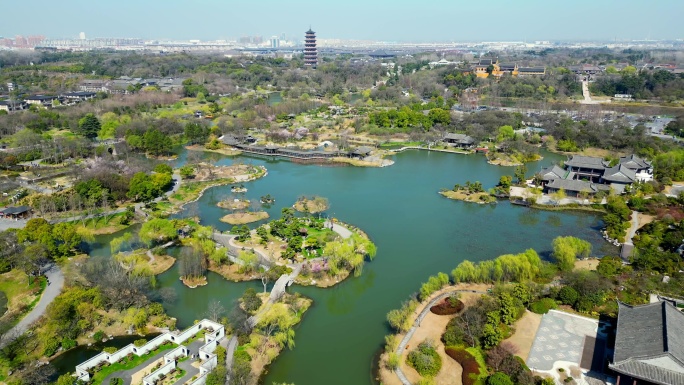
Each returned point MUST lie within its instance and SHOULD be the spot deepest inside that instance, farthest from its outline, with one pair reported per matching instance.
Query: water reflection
(342, 300)
(554, 220)
(529, 217)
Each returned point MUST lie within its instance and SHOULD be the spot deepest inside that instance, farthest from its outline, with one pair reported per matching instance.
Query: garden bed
(471, 368)
(447, 307)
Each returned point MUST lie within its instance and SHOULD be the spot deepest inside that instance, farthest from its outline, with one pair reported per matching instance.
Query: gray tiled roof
(461, 138)
(532, 69)
(577, 185)
(644, 371)
(586, 162)
(15, 210)
(649, 343)
(634, 162)
(619, 174)
(363, 150)
(553, 172)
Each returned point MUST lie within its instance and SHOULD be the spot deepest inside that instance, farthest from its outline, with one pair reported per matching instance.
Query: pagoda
(310, 51)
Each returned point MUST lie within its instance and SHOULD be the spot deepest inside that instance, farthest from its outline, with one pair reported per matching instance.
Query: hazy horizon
(380, 20)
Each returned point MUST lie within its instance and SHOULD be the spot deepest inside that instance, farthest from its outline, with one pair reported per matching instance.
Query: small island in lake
(313, 251)
(470, 192)
(313, 205)
(244, 217)
(234, 204)
(267, 199)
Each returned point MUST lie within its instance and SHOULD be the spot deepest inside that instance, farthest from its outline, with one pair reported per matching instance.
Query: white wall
(121, 353)
(207, 350)
(164, 369)
(152, 344)
(180, 351)
(82, 369)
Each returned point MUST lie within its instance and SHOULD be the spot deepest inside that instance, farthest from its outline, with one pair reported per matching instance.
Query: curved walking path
(341, 230)
(416, 325)
(138, 206)
(52, 290)
(227, 241)
(230, 345)
(628, 246)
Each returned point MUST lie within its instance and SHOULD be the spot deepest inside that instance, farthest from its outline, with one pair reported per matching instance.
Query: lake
(418, 233)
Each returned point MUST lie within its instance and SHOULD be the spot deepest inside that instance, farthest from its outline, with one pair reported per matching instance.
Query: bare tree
(215, 310)
(265, 277)
(121, 289)
(192, 263)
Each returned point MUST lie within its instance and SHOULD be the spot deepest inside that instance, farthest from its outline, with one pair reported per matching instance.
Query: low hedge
(543, 306)
(471, 369)
(425, 360)
(446, 307)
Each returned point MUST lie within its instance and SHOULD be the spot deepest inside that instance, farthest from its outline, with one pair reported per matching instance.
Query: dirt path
(403, 346)
(431, 328)
(525, 331)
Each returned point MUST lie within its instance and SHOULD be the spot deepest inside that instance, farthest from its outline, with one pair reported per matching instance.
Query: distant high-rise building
(251, 40)
(35, 40)
(275, 42)
(310, 51)
(20, 41)
(82, 36)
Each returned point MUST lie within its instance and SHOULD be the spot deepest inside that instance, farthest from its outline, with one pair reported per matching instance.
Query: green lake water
(418, 233)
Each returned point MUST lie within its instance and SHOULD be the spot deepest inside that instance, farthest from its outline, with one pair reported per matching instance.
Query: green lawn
(395, 145)
(135, 361)
(19, 293)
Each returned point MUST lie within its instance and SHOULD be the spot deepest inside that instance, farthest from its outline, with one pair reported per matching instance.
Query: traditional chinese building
(310, 50)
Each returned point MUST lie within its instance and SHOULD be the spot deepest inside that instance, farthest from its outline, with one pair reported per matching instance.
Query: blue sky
(387, 20)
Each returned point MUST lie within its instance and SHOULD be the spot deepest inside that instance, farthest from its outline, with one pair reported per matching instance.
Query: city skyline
(381, 20)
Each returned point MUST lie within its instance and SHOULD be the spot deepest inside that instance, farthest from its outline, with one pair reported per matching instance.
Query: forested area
(659, 84)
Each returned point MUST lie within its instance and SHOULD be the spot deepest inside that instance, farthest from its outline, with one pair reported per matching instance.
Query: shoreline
(227, 271)
(222, 151)
(219, 182)
(458, 196)
(389, 376)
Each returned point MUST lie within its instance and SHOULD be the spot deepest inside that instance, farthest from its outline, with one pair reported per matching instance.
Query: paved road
(230, 346)
(12, 224)
(56, 280)
(341, 230)
(227, 241)
(416, 325)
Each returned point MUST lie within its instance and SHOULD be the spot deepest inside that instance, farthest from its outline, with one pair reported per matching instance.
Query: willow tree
(567, 249)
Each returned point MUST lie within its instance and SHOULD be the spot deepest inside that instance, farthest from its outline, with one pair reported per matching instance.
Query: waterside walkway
(628, 246)
(416, 325)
